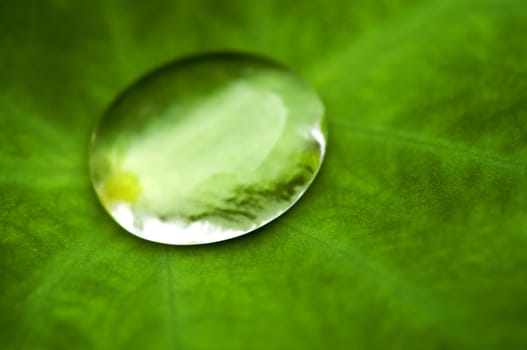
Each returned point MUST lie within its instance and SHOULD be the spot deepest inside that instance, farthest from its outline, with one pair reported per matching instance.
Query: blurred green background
(413, 236)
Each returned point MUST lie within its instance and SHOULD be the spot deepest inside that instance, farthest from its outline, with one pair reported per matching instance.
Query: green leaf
(413, 235)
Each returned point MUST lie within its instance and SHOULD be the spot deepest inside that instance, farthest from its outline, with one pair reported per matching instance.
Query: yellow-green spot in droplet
(122, 186)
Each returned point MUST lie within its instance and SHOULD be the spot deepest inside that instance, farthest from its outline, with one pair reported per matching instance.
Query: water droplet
(207, 148)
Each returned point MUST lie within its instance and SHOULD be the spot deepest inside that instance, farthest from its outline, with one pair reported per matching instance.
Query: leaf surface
(413, 235)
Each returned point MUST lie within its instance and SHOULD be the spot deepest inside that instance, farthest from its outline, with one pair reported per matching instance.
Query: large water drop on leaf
(207, 148)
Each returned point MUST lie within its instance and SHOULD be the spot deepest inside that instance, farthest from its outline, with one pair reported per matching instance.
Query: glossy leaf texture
(413, 236)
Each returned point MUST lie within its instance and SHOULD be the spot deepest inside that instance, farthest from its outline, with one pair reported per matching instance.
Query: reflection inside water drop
(207, 148)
